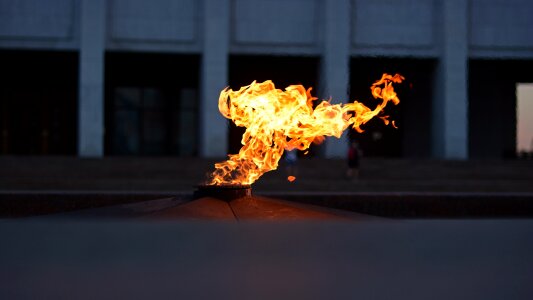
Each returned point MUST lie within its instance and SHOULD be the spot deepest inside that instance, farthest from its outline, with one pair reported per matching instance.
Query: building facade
(132, 77)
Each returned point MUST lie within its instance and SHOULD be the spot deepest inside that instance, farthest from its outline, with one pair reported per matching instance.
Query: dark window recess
(152, 121)
(38, 102)
(282, 70)
(492, 106)
(152, 105)
(412, 116)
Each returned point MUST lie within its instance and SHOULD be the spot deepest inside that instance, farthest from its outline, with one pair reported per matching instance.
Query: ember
(278, 120)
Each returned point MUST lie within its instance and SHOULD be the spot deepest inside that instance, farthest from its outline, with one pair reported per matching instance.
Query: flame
(291, 178)
(278, 120)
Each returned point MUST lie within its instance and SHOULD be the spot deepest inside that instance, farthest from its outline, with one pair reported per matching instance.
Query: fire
(278, 120)
(291, 178)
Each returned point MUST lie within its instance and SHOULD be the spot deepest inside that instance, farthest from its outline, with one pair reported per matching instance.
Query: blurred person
(530, 154)
(354, 156)
(291, 158)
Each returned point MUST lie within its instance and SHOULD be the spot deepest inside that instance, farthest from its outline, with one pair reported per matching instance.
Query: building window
(152, 105)
(154, 121)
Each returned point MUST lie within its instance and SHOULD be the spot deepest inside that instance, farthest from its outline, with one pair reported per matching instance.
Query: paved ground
(430, 259)
(66, 256)
(183, 174)
(245, 209)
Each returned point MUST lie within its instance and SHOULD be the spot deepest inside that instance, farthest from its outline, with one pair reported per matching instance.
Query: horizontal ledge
(385, 204)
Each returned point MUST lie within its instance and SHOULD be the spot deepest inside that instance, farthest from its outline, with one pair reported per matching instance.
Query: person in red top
(291, 158)
(354, 155)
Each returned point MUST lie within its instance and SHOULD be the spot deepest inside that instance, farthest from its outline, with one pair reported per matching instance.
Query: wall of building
(448, 32)
(38, 24)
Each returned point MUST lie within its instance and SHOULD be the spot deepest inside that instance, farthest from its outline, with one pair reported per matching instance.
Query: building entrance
(38, 102)
(492, 110)
(282, 70)
(151, 104)
(412, 116)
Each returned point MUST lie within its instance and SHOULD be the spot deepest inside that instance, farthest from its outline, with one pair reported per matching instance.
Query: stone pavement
(108, 259)
(241, 209)
(146, 250)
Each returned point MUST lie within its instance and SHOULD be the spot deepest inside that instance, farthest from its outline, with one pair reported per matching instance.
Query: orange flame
(277, 120)
(291, 178)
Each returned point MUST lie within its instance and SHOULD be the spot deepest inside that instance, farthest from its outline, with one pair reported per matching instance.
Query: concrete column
(214, 77)
(335, 64)
(91, 79)
(450, 107)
